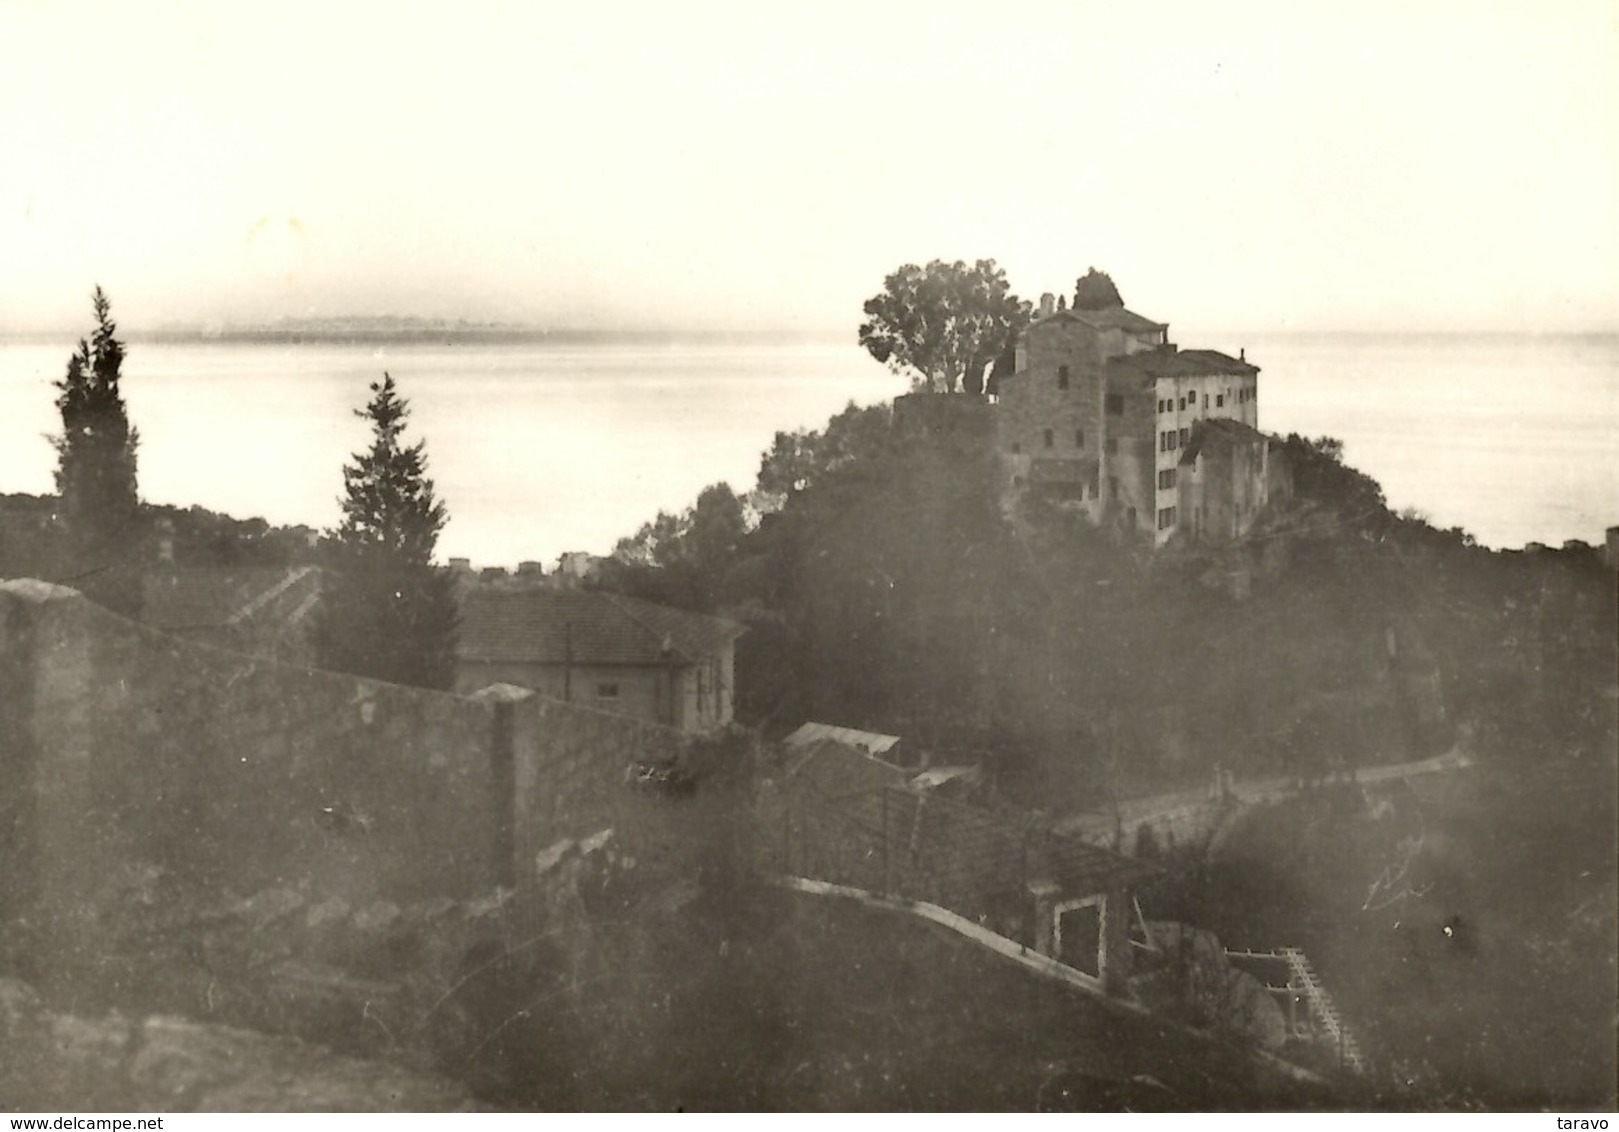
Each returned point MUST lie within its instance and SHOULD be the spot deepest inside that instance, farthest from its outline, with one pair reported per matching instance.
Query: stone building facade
(1099, 416)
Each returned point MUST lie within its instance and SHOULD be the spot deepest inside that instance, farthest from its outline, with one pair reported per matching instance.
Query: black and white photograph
(728, 557)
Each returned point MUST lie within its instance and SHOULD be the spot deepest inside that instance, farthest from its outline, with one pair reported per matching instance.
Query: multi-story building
(1103, 414)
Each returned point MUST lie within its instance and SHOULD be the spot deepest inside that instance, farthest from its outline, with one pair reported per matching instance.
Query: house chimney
(1242, 353)
(1048, 305)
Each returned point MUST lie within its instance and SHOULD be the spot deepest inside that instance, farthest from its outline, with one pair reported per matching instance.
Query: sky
(1427, 164)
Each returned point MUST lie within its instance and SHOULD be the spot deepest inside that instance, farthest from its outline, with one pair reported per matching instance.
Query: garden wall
(127, 752)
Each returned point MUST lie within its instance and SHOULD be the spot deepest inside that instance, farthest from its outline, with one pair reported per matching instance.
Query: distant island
(394, 329)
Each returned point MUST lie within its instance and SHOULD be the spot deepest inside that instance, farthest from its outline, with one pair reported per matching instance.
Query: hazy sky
(1444, 164)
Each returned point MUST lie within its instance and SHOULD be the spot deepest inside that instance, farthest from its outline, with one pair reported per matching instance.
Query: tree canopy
(943, 324)
(388, 612)
(1095, 291)
(95, 473)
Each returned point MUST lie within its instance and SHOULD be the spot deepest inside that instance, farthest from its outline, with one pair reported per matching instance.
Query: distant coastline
(378, 331)
(390, 330)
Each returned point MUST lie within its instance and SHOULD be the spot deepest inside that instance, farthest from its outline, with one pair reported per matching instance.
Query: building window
(1183, 404)
(1166, 479)
(1062, 377)
(1079, 438)
(1115, 404)
(1219, 401)
(1017, 481)
(607, 691)
(1186, 434)
(1166, 518)
(1205, 402)
(1050, 438)
(1111, 445)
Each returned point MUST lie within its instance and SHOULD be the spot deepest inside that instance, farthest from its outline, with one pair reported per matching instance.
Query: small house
(601, 650)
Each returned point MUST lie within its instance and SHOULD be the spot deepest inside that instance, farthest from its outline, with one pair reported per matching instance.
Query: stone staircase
(1325, 1010)
(1303, 980)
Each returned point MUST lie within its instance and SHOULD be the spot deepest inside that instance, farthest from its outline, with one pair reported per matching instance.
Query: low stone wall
(223, 774)
(145, 770)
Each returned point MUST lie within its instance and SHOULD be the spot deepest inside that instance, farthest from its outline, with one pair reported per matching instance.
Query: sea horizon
(545, 446)
(405, 330)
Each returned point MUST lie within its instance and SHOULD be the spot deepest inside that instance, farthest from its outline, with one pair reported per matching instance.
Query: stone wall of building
(688, 697)
(1132, 486)
(1034, 407)
(627, 690)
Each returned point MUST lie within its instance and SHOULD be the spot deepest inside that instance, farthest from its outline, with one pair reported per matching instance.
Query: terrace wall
(129, 752)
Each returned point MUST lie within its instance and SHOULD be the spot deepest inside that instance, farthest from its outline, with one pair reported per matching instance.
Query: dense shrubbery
(884, 589)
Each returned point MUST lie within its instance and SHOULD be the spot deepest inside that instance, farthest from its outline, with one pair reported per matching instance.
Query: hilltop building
(602, 650)
(1104, 415)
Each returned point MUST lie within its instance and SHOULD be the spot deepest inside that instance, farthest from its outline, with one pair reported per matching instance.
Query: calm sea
(542, 449)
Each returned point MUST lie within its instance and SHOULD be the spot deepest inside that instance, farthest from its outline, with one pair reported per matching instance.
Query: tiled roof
(838, 770)
(1117, 318)
(1109, 318)
(1149, 365)
(555, 626)
(1219, 432)
(214, 598)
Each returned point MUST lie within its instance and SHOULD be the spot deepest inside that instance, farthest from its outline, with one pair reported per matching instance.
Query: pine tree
(95, 473)
(388, 612)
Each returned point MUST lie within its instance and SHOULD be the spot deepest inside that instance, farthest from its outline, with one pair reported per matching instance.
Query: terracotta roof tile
(1150, 365)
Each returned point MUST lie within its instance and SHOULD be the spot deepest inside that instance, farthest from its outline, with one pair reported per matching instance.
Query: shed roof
(871, 742)
(557, 626)
(967, 849)
(1220, 432)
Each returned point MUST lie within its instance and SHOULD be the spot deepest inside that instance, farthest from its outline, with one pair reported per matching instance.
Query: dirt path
(1190, 806)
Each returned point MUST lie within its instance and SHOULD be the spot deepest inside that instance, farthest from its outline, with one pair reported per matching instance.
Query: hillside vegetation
(1467, 926)
(884, 589)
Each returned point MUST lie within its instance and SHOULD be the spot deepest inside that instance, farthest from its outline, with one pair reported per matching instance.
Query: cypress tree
(388, 612)
(95, 473)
